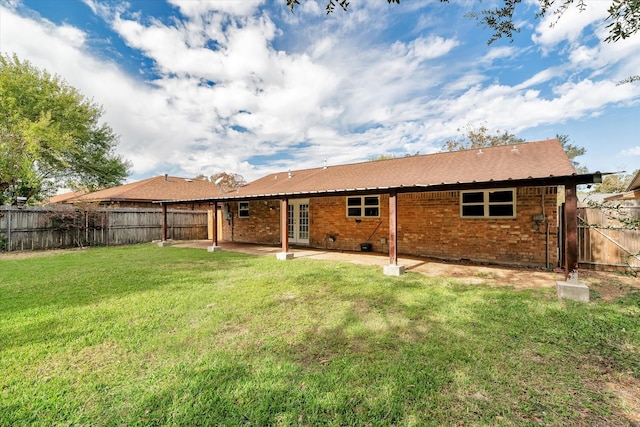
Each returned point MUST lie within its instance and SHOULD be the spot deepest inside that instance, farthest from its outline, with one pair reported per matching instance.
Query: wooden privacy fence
(30, 228)
(604, 243)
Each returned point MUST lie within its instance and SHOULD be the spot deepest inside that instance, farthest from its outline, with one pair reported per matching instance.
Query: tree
(51, 136)
(572, 151)
(623, 20)
(480, 137)
(624, 15)
(226, 181)
(616, 183)
(331, 4)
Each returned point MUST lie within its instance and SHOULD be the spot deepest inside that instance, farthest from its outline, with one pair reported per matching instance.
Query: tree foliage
(623, 20)
(616, 183)
(331, 4)
(572, 151)
(227, 181)
(481, 137)
(51, 136)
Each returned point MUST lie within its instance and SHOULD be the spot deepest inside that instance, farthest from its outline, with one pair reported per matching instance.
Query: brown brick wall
(429, 224)
(262, 226)
(330, 228)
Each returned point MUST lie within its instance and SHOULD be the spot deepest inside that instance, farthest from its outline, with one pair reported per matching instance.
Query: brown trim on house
(418, 188)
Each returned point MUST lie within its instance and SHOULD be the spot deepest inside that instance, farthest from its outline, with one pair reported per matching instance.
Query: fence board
(604, 242)
(32, 228)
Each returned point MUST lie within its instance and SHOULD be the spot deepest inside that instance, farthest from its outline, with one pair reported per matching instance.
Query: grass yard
(142, 335)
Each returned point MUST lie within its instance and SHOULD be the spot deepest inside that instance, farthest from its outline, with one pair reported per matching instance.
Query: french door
(298, 221)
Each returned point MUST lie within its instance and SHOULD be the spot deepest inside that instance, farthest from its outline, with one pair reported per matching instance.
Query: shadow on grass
(456, 353)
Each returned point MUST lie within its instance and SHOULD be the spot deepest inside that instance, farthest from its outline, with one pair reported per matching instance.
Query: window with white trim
(498, 203)
(363, 206)
(243, 209)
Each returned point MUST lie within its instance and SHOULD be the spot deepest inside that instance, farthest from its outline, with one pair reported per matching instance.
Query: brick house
(496, 205)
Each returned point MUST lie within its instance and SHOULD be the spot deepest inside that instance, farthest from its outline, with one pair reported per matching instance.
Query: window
(488, 204)
(243, 209)
(363, 206)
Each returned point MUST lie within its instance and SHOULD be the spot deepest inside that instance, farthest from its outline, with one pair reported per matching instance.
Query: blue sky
(245, 86)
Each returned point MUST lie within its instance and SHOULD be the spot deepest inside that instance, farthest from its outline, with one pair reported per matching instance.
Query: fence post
(9, 229)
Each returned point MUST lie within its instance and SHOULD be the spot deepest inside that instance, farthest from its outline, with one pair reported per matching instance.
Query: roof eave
(576, 179)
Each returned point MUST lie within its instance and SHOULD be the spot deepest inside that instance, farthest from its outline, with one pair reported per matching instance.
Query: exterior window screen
(488, 204)
(363, 206)
(243, 209)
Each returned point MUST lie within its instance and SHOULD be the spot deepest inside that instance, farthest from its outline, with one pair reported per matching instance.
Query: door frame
(296, 219)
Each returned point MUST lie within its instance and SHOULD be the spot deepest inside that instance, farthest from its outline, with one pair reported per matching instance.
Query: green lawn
(143, 335)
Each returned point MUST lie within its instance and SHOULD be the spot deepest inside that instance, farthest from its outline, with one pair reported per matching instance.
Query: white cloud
(633, 151)
(570, 25)
(424, 48)
(193, 8)
(335, 85)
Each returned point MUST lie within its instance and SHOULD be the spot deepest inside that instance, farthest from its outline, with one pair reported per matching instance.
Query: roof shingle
(152, 189)
(541, 159)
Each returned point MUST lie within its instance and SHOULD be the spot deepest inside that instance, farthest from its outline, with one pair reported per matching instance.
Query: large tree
(616, 183)
(51, 136)
(481, 137)
(227, 181)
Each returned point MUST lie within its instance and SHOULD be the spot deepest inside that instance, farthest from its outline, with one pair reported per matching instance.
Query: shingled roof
(527, 161)
(157, 188)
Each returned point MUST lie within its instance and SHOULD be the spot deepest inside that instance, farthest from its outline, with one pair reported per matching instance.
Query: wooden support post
(164, 241)
(164, 222)
(215, 225)
(571, 288)
(570, 229)
(213, 229)
(393, 269)
(284, 231)
(393, 229)
(284, 225)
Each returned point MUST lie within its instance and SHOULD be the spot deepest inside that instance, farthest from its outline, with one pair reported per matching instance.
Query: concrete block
(214, 248)
(393, 270)
(283, 256)
(573, 291)
(163, 243)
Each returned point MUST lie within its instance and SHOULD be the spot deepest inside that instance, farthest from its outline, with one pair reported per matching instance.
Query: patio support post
(571, 288)
(571, 229)
(393, 269)
(214, 244)
(284, 231)
(164, 241)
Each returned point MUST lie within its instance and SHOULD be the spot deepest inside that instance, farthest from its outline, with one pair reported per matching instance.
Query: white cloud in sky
(570, 25)
(332, 94)
(633, 151)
